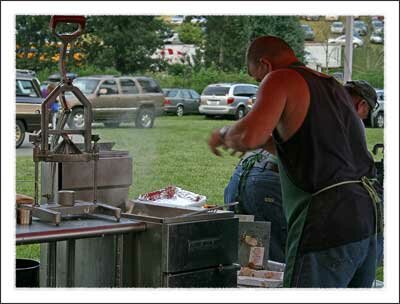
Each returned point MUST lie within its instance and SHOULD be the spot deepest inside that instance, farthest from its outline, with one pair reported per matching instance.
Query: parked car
(377, 114)
(339, 76)
(360, 27)
(312, 18)
(28, 105)
(181, 101)
(308, 32)
(198, 20)
(174, 39)
(178, 19)
(56, 77)
(117, 99)
(378, 18)
(377, 25)
(331, 18)
(337, 27)
(231, 99)
(357, 41)
(376, 37)
(22, 72)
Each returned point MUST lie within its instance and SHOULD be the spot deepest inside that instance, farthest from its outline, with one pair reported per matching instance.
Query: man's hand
(216, 141)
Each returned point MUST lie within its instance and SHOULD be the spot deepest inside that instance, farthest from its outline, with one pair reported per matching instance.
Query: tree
(190, 34)
(125, 42)
(38, 49)
(35, 45)
(285, 27)
(227, 37)
(225, 42)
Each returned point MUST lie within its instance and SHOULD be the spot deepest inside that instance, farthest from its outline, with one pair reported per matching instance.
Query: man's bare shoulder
(285, 78)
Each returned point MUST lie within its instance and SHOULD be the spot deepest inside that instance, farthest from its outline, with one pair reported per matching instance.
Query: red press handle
(80, 20)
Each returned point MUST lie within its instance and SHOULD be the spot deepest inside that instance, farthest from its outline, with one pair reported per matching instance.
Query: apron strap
(367, 183)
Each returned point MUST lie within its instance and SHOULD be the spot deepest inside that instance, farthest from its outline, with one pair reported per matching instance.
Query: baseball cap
(363, 89)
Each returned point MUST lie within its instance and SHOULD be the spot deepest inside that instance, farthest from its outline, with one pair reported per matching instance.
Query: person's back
(255, 184)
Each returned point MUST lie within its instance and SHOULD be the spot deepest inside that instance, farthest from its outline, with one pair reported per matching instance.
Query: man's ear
(264, 60)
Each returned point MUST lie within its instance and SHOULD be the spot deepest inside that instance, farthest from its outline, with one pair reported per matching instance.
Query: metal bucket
(27, 273)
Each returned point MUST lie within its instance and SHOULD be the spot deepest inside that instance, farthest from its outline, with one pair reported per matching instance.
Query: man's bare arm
(255, 129)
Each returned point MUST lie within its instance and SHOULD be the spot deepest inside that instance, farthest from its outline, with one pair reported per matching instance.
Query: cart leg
(118, 259)
(51, 264)
(70, 263)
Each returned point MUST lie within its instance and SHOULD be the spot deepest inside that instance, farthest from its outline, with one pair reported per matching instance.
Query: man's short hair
(269, 46)
(364, 90)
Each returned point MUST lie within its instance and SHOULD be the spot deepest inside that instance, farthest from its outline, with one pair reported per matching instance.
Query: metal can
(66, 197)
(24, 216)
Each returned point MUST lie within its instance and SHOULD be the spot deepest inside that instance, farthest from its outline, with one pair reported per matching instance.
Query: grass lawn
(174, 152)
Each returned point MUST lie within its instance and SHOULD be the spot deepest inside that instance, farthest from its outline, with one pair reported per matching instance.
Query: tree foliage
(34, 41)
(226, 41)
(190, 34)
(285, 27)
(228, 37)
(127, 41)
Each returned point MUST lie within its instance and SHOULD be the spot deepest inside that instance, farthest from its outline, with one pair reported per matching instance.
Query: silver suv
(233, 99)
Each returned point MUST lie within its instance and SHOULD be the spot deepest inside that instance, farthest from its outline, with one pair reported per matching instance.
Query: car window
(149, 85)
(128, 86)
(217, 91)
(185, 94)
(194, 94)
(172, 93)
(110, 85)
(246, 91)
(239, 91)
(25, 88)
(87, 86)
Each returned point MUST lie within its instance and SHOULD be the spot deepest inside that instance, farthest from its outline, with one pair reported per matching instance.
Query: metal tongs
(207, 210)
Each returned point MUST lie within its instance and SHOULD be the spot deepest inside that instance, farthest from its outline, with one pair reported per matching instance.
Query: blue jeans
(260, 196)
(350, 265)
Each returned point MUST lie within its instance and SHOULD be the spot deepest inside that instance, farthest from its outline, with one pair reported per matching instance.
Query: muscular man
(326, 171)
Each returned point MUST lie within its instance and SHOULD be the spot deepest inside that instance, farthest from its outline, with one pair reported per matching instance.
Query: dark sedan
(181, 101)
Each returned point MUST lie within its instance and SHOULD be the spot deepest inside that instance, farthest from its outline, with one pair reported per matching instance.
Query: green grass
(174, 152)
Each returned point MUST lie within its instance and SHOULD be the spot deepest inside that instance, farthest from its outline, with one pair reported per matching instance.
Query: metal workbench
(70, 231)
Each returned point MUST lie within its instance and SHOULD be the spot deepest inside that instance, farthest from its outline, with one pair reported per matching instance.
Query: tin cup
(66, 197)
(24, 216)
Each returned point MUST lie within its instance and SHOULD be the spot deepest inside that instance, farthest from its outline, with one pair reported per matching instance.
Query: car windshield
(358, 24)
(217, 91)
(171, 93)
(337, 25)
(87, 86)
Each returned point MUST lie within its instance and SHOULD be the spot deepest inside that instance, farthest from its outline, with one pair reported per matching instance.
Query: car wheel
(19, 133)
(76, 119)
(379, 120)
(240, 113)
(145, 118)
(179, 111)
(111, 124)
